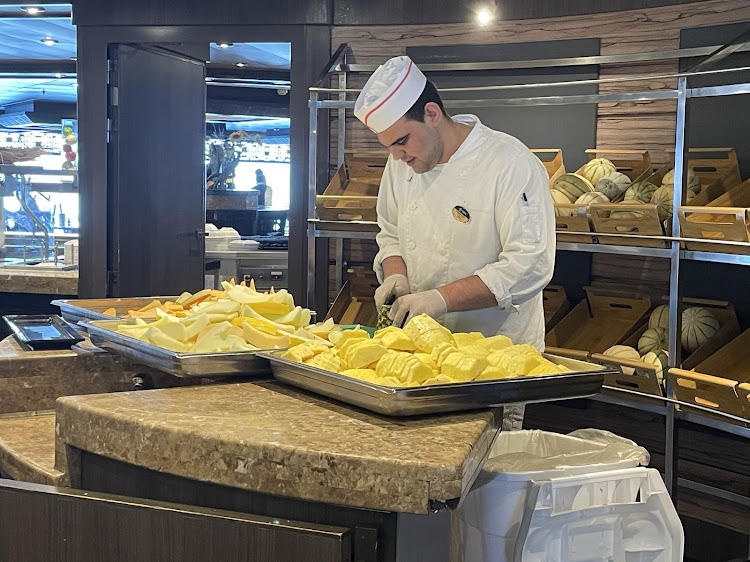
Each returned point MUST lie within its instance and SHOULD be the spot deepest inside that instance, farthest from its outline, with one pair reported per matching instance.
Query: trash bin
(544, 496)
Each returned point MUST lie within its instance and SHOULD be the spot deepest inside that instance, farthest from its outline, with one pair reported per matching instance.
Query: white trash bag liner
(486, 525)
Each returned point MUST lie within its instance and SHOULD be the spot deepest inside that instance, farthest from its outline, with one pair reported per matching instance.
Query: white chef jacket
(509, 240)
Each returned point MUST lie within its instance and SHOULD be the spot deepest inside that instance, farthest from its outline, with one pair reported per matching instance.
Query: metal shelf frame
(322, 99)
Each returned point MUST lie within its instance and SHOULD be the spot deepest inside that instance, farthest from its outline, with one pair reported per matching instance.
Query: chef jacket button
(463, 174)
(414, 287)
(411, 245)
(413, 207)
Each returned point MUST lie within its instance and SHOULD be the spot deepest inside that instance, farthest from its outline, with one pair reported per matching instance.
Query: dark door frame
(311, 47)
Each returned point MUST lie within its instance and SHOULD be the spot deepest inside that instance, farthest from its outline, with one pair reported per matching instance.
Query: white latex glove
(430, 303)
(397, 284)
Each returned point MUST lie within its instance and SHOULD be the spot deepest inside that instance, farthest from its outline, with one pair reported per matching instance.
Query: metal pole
(675, 293)
(341, 143)
(312, 163)
(339, 244)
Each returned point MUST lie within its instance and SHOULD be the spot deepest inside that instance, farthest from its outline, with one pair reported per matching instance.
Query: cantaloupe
(663, 198)
(573, 185)
(624, 352)
(613, 185)
(659, 317)
(694, 182)
(658, 360)
(596, 169)
(653, 339)
(592, 197)
(642, 191)
(560, 198)
(698, 325)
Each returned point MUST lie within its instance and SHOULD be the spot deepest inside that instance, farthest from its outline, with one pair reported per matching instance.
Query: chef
(467, 231)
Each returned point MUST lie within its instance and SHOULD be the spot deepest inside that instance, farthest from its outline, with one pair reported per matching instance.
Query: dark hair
(429, 94)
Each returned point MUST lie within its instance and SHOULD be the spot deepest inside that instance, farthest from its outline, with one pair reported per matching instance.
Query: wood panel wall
(643, 125)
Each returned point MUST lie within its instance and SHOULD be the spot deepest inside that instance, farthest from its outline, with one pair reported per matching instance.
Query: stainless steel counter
(267, 267)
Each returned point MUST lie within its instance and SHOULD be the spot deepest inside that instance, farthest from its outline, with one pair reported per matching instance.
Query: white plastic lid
(618, 515)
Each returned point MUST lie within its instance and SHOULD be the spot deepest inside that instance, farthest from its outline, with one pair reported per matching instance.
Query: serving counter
(39, 282)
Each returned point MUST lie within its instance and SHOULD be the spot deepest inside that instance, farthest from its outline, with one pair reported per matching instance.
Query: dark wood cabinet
(44, 523)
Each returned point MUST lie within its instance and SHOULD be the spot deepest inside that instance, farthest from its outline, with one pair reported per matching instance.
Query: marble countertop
(38, 282)
(33, 380)
(25, 451)
(266, 437)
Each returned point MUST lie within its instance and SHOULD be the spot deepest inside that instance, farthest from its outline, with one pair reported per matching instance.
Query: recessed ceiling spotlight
(33, 10)
(225, 45)
(58, 75)
(240, 64)
(484, 16)
(49, 41)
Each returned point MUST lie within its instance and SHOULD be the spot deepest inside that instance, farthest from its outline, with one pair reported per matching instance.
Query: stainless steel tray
(585, 380)
(75, 310)
(102, 334)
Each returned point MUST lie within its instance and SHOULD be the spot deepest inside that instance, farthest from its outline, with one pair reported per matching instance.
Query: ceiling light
(225, 45)
(240, 64)
(484, 16)
(49, 41)
(58, 75)
(33, 10)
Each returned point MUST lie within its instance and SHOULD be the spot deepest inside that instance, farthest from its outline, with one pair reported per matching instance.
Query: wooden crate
(576, 354)
(636, 164)
(716, 393)
(355, 303)
(556, 305)
(552, 159)
(603, 319)
(717, 176)
(743, 393)
(730, 328)
(352, 193)
(731, 361)
(643, 378)
(571, 218)
(714, 166)
(726, 218)
(648, 224)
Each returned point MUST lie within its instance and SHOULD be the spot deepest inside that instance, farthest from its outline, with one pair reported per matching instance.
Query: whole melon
(623, 352)
(641, 191)
(596, 169)
(592, 197)
(694, 182)
(653, 339)
(573, 186)
(613, 185)
(628, 215)
(663, 198)
(698, 325)
(659, 318)
(658, 360)
(560, 198)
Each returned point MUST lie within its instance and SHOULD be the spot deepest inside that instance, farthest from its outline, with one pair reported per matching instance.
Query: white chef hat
(390, 92)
